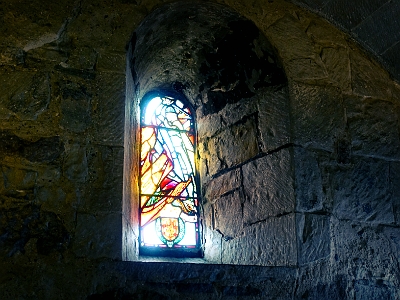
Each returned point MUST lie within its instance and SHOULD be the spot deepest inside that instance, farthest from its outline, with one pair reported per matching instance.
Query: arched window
(168, 189)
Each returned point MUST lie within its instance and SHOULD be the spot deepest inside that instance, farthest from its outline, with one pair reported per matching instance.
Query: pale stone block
(228, 215)
(268, 243)
(268, 187)
(361, 192)
(222, 184)
(274, 119)
(317, 115)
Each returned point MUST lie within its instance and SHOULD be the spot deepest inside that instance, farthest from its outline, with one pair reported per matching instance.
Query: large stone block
(83, 58)
(395, 189)
(313, 237)
(268, 187)
(317, 115)
(111, 61)
(322, 33)
(228, 215)
(368, 79)
(365, 250)
(76, 106)
(212, 246)
(237, 143)
(235, 112)
(24, 94)
(103, 192)
(309, 189)
(209, 159)
(374, 289)
(362, 192)
(98, 236)
(75, 165)
(43, 150)
(222, 184)
(308, 69)
(337, 64)
(268, 243)
(274, 119)
(18, 182)
(288, 35)
(373, 126)
(208, 125)
(109, 111)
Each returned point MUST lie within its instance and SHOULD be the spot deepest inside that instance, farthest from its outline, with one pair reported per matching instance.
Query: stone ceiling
(375, 24)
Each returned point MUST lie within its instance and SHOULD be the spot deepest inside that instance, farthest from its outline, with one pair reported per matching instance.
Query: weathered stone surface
(337, 287)
(268, 187)
(373, 289)
(105, 166)
(111, 61)
(353, 197)
(208, 125)
(321, 32)
(228, 215)
(32, 24)
(392, 60)
(310, 129)
(222, 184)
(309, 69)
(21, 221)
(367, 79)
(109, 109)
(234, 113)
(61, 146)
(75, 106)
(238, 143)
(209, 158)
(19, 183)
(268, 243)
(112, 28)
(373, 126)
(365, 250)
(212, 246)
(75, 165)
(274, 119)
(288, 30)
(84, 58)
(98, 236)
(313, 237)
(392, 234)
(40, 150)
(308, 187)
(24, 94)
(337, 64)
(395, 189)
(32, 99)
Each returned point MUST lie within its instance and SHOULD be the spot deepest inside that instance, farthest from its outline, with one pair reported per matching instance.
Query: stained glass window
(169, 205)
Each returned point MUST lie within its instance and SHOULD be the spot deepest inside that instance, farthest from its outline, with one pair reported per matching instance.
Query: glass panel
(168, 193)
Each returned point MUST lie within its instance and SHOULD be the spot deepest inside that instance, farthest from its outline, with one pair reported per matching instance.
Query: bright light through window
(169, 207)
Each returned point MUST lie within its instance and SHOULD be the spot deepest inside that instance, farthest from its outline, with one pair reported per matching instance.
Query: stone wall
(326, 146)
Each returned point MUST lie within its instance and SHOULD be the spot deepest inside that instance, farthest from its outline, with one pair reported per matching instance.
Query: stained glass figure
(169, 208)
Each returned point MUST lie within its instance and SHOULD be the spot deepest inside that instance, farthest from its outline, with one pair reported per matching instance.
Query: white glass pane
(149, 234)
(190, 235)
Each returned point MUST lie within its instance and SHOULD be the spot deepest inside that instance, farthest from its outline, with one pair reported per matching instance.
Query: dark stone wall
(372, 23)
(333, 131)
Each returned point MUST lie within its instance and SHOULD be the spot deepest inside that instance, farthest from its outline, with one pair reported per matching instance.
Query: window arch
(168, 185)
(239, 92)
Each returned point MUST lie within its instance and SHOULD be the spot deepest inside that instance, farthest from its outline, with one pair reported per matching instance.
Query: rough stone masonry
(300, 176)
